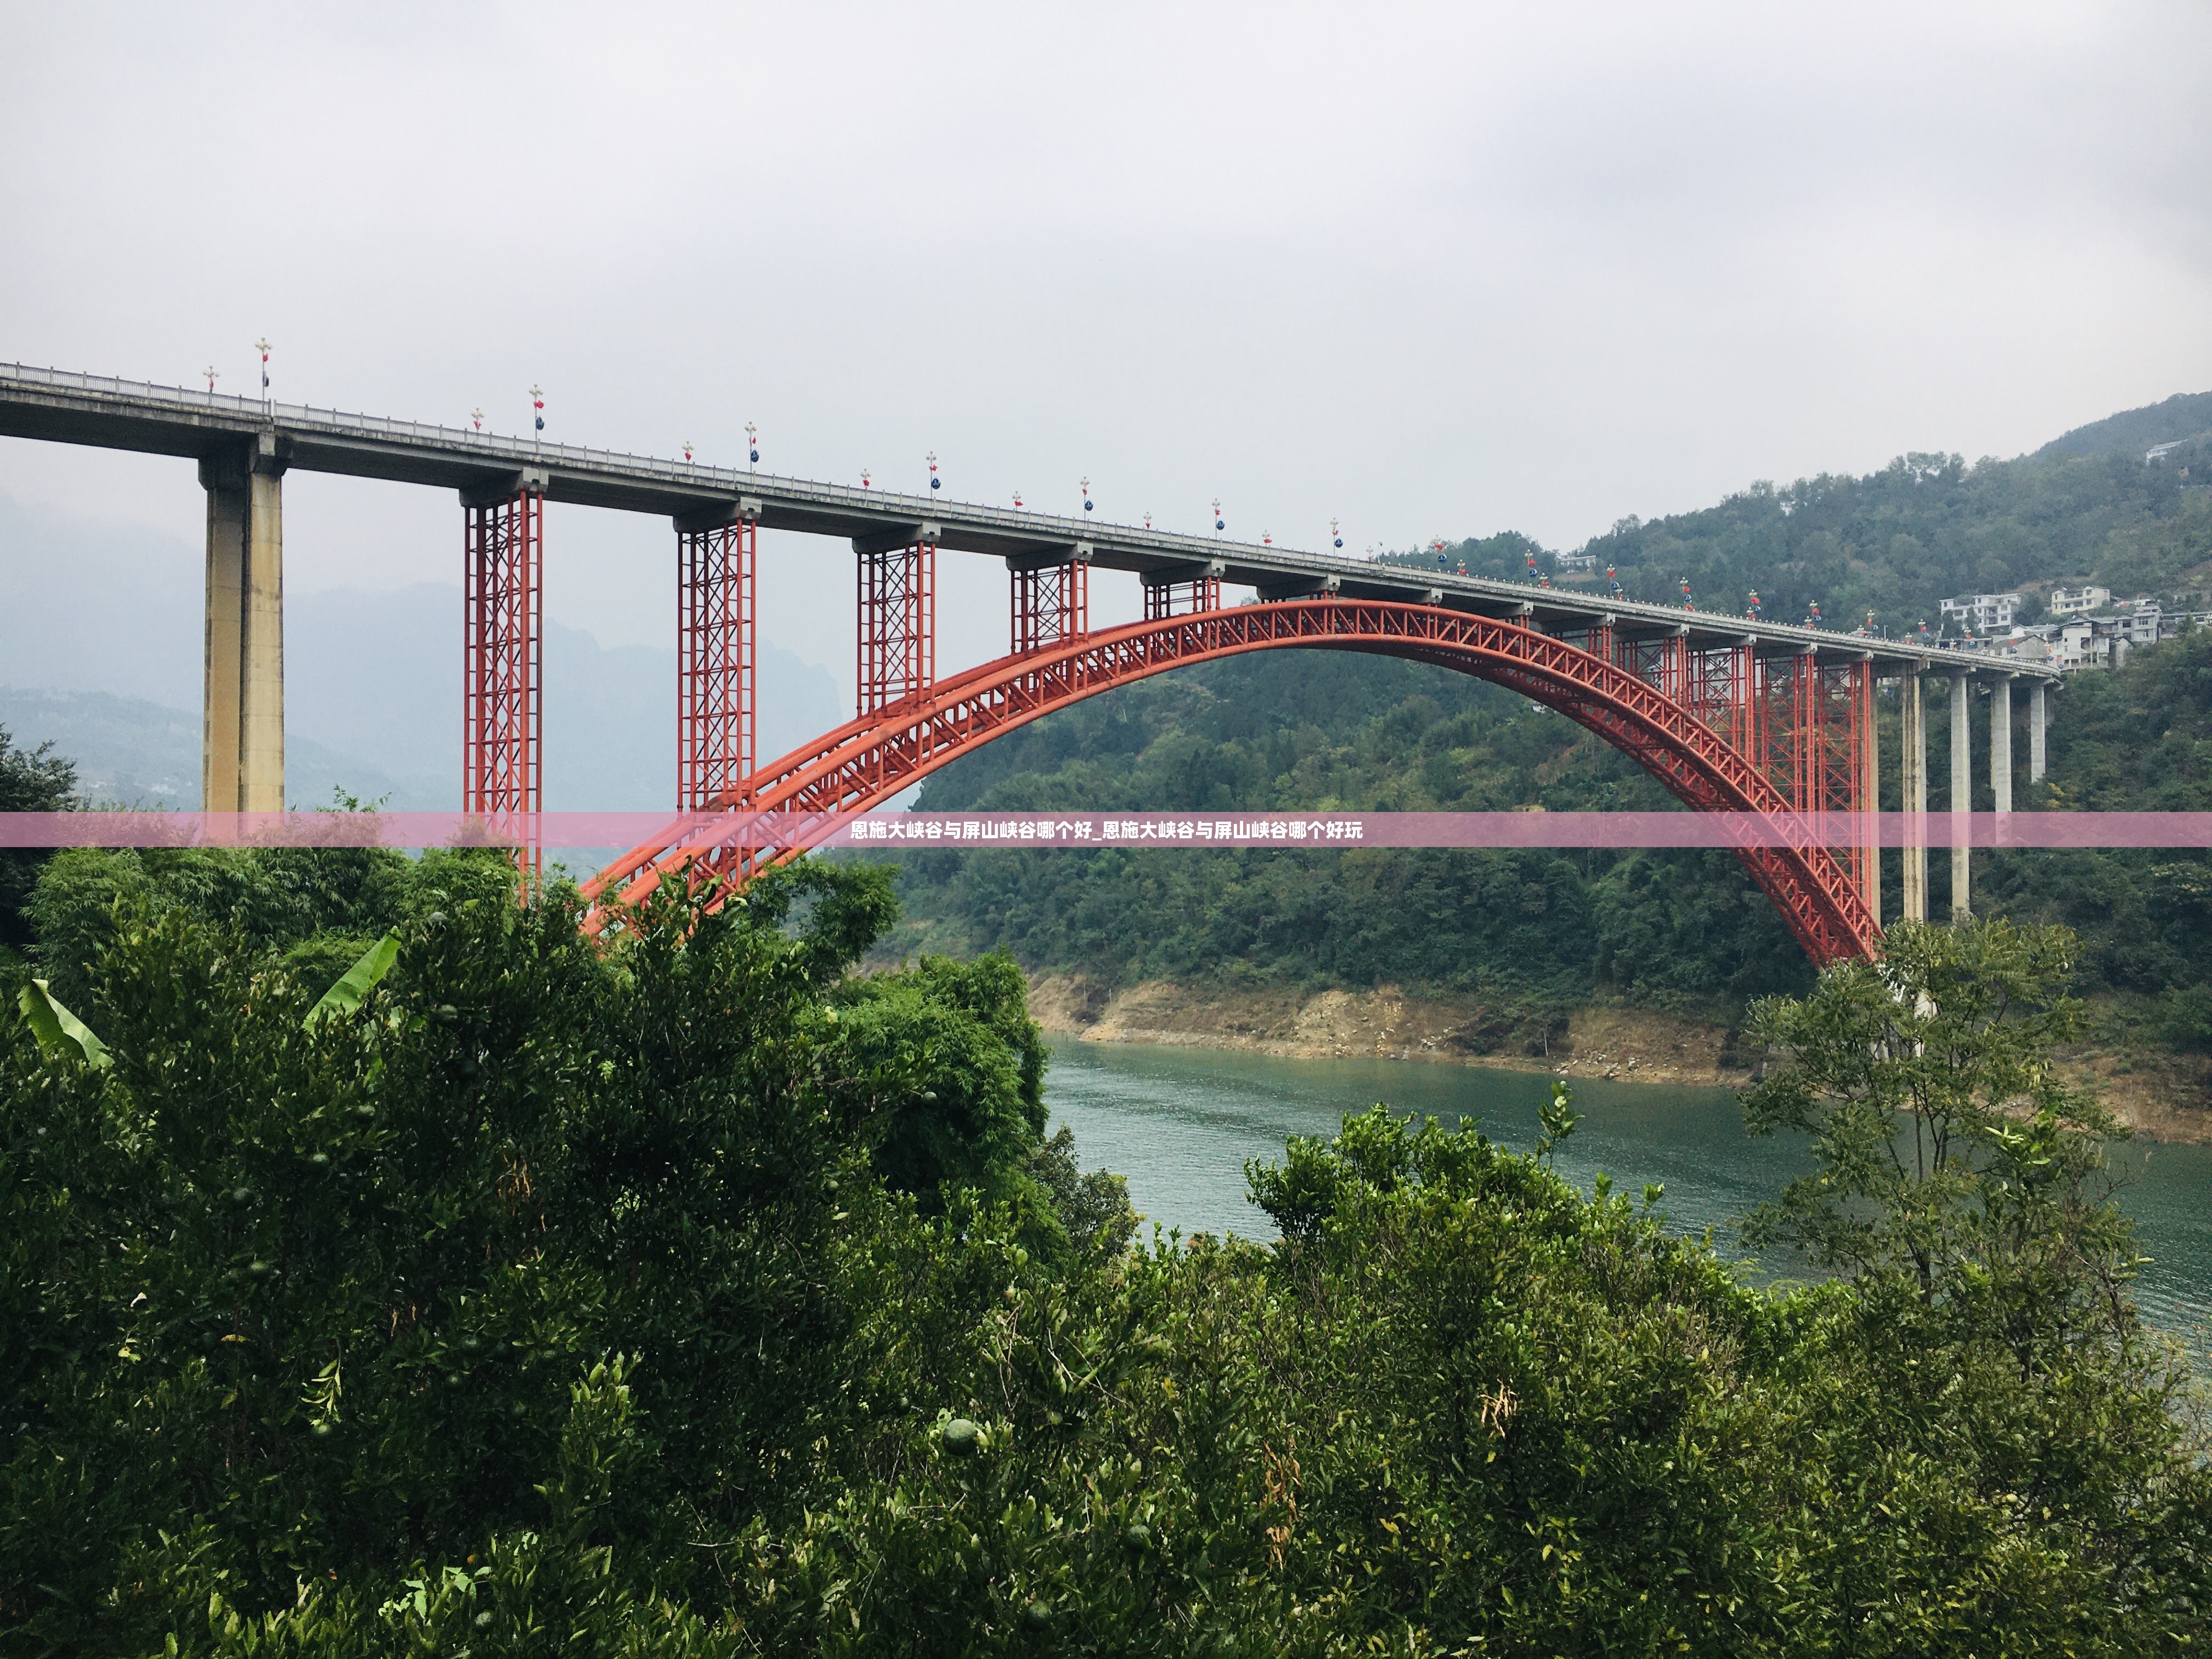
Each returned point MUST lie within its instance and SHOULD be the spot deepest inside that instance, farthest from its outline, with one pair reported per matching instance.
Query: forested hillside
(1683, 932)
(1898, 542)
(1311, 729)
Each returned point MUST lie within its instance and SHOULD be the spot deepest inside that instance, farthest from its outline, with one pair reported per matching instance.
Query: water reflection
(1180, 1123)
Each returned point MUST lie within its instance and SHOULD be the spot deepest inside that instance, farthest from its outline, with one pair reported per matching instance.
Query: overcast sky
(1442, 270)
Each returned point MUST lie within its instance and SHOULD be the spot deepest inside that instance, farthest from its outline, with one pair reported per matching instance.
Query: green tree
(31, 780)
(1947, 1148)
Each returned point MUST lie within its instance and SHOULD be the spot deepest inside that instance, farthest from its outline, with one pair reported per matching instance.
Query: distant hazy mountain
(130, 752)
(101, 637)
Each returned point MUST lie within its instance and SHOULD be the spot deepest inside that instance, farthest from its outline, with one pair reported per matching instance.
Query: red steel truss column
(502, 649)
(1711, 688)
(1051, 601)
(1746, 731)
(1596, 639)
(898, 623)
(716, 667)
(1826, 741)
(1774, 720)
(1182, 591)
(1659, 662)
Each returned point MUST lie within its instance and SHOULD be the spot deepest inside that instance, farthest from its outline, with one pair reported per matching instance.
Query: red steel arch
(871, 759)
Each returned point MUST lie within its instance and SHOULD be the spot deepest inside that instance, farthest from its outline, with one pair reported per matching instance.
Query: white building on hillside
(2067, 602)
(1978, 613)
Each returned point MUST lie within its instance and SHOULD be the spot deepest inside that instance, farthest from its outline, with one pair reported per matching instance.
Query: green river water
(1180, 1122)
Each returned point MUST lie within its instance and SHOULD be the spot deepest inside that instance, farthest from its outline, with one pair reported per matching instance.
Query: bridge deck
(111, 413)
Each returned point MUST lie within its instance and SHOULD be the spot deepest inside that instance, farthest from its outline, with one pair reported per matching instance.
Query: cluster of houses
(2088, 628)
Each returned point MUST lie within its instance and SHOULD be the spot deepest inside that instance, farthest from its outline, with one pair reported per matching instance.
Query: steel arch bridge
(1683, 740)
(1731, 713)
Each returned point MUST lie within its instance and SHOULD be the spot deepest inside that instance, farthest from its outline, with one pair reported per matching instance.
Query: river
(1180, 1122)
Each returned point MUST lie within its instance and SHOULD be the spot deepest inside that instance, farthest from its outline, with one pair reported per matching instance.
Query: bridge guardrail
(1041, 527)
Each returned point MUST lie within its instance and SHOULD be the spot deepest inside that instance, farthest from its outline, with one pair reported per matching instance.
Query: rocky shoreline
(2161, 1099)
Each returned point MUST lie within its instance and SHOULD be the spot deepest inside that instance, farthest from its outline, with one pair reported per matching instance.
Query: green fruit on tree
(962, 1438)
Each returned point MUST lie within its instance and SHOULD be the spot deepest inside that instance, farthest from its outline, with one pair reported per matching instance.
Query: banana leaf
(360, 980)
(56, 1028)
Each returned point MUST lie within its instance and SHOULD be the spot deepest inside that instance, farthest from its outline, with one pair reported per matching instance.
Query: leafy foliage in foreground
(554, 1302)
(31, 780)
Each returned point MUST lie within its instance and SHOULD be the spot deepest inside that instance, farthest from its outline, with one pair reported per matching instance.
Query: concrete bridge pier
(1912, 766)
(242, 734)
(1962, 793)
(2001, 742)
(1869, 783)
(2039, 709)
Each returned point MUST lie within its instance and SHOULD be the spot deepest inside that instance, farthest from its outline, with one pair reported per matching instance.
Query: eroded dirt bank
(2162, 1099)
(1388, 1023)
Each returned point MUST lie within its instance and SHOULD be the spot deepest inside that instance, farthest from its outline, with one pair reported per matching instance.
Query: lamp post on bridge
(752, 444)
(537, 406)
(210, 372)
(261, 345)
